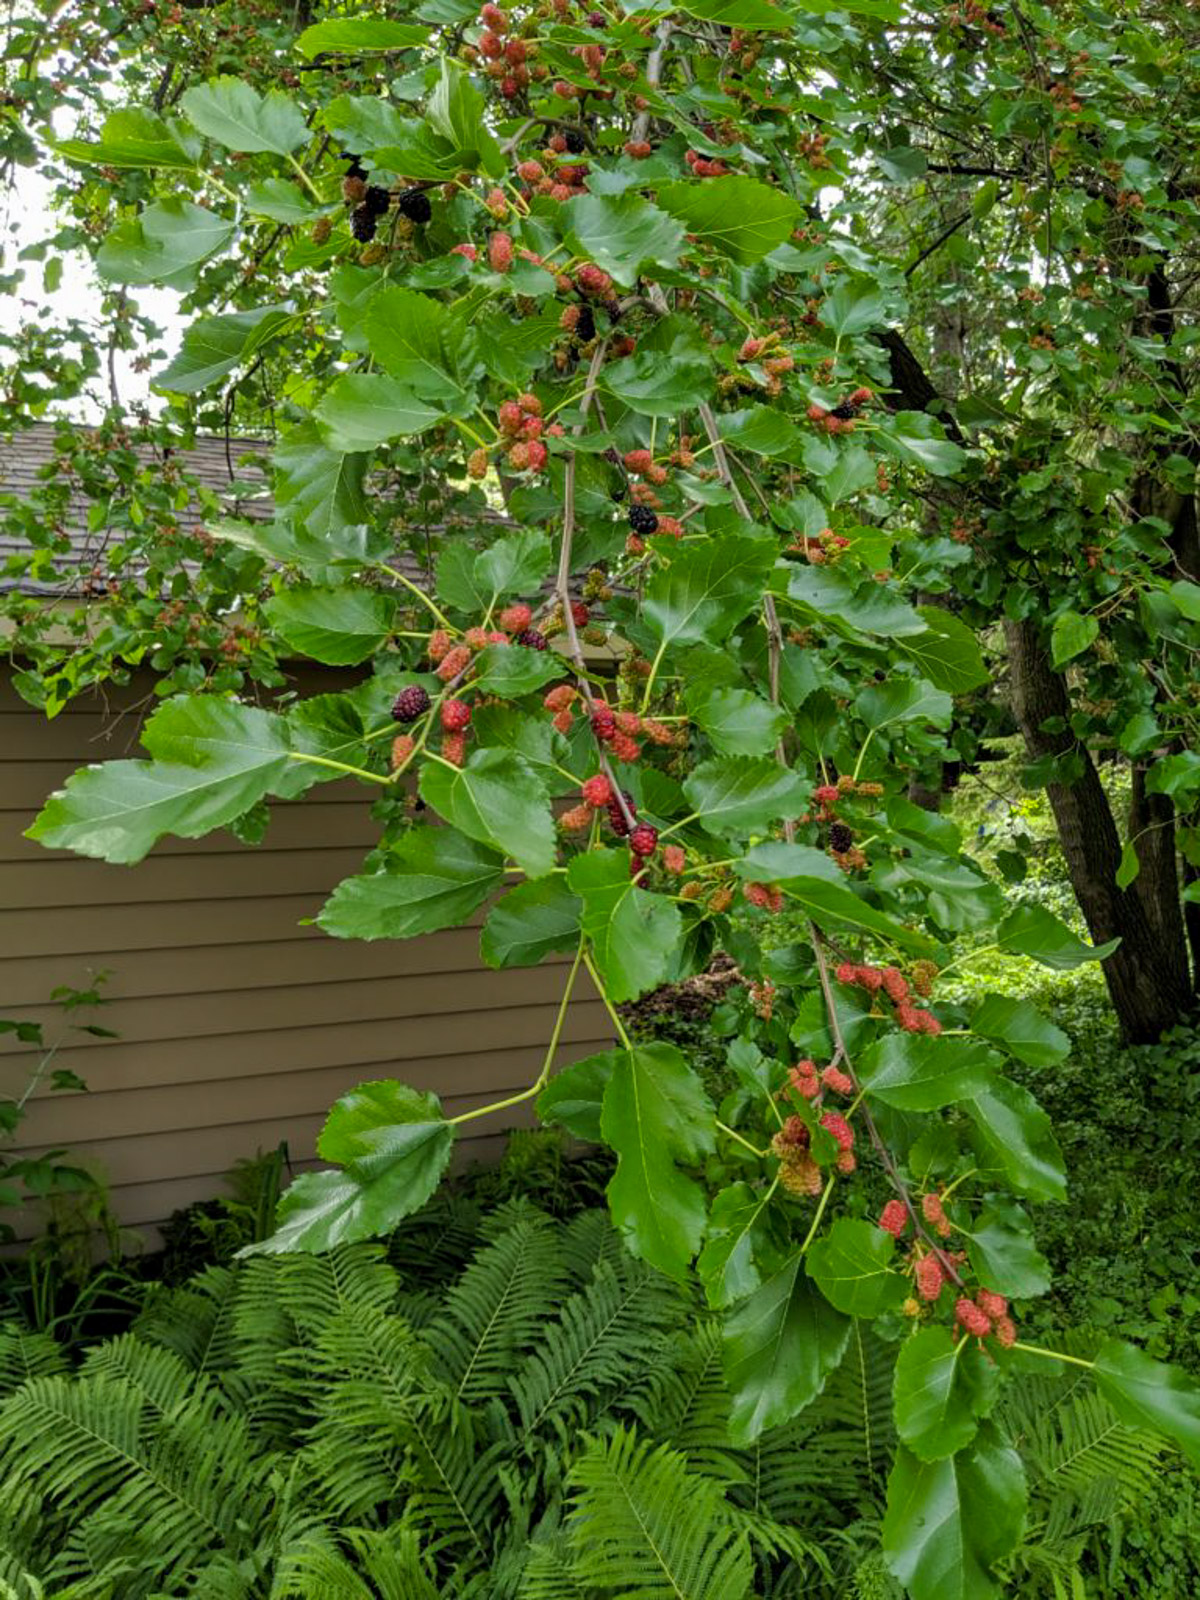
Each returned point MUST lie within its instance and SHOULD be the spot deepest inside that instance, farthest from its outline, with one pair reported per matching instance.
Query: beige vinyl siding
(238, 1026)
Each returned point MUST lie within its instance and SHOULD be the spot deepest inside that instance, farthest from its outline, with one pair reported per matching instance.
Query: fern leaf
(492, 1316)
(606, 1337)
(25, 1354)
(195, 1321)
(643, 1526)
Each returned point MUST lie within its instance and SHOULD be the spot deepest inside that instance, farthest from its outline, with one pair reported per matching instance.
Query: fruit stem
(608, 1005)
(816, 1221)
(734, 1134)
(551, 1050)
(305, 179)
(1054, 1355)
(338, 766)
(420, 594)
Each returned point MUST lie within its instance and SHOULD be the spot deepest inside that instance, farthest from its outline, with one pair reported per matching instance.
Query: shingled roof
(214, 463)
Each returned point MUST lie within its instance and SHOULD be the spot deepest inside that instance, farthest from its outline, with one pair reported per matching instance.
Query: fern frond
(25, 1354)
(857, 1402)
(588, 1240)
(550, 1572)
(434, 1245)
(97, 1453)
(684, 1401)
(364, 1565)
(368, 1374)
(606, 1338)
(493, 1315)
(162, 1378)
(195, 1321)
(642, 1526)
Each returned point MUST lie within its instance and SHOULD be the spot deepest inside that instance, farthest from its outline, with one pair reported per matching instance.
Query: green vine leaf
(914, 1072)
(234, 114)
(943, 1388)
(633, 934)
(393, 1146)
(499, 800)
(851, 1265)
(214, 759)
(1151, 1394)
(433, 878)
(780, 1345)
(656, 1115)
(949, 1521)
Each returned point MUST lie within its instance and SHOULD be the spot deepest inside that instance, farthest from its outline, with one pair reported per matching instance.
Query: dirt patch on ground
(693, 999)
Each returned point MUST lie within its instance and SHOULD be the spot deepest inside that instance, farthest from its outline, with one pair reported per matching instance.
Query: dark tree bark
(1148, 977)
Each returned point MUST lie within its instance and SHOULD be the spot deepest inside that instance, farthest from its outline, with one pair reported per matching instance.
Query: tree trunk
(1147, 975)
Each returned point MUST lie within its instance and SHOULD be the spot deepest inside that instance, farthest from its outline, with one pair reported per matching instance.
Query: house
(237, 1025)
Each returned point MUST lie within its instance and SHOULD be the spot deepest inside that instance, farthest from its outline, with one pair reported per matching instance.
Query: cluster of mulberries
(798, 1172)
(892, 982)
(818, 549)
(702, 167)
(841, 836)
(986, 1314)
(810, 1084)
(841, 418)
(765, 896)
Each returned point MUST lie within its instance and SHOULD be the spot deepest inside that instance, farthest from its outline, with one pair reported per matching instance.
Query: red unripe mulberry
(674, 858)
(439, 645)
(500, 252)
(575, 820)
(598, 791)
(894, 1218)
(638, 460)
(590, 279)
(491, 46)
(515, 618)
(1006, 1332)
(492, 17)
(934, 1214)
(537, 453)
(991, 1303)
(458, 659)
(625, 748)
(847, 973)
(972, 1318)
(834, 1078)
(531, 171)
(477, 464)
(765, 896)
(894, 984)
(930, 1278)
(456, 714)
(835, 1123)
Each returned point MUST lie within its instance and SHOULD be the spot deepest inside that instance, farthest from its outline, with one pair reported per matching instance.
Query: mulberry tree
(672, 403)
